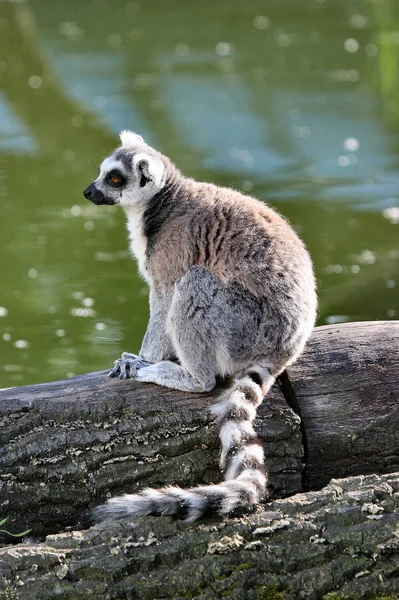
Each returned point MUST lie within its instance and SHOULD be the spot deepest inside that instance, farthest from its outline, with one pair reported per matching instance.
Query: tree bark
(66, 445)
(347, 388)
(338, 543)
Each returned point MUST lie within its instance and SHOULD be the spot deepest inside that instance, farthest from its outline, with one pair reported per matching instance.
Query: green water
(294, 101)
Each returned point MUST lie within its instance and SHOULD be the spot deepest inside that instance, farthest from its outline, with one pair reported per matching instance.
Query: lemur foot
(127, 366)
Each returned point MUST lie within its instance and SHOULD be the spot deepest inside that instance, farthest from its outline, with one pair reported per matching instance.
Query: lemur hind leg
(192, 336)
(213, 327)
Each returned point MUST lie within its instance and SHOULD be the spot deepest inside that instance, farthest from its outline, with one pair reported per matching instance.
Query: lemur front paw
(127, 366)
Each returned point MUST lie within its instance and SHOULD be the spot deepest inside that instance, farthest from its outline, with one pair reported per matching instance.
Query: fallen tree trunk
(342, 539)
(347, 388)
(66, 445)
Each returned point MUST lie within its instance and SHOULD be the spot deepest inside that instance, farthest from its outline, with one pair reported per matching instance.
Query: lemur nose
(88, 193)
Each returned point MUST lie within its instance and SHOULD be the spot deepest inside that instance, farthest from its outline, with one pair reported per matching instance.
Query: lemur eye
(115, 179)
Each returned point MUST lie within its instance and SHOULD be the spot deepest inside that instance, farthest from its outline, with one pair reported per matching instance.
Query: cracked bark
(347, 386)
(66, 445)
(342, 539)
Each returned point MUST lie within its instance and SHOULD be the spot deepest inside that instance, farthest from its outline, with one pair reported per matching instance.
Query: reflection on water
(294, 102)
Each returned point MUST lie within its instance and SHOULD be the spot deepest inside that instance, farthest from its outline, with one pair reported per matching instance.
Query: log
(67, 445)
(347, 387)
(338, 543)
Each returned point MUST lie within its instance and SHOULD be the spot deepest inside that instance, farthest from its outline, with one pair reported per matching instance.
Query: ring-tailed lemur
(232, 293)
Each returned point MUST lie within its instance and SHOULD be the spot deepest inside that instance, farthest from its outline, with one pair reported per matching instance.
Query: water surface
(294, 102)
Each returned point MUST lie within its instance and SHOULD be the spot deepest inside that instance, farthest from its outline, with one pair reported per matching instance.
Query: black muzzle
(94, 195)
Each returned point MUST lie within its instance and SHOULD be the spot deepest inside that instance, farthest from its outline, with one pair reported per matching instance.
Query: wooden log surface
(65, 445)
(340, 543)
(347, 387)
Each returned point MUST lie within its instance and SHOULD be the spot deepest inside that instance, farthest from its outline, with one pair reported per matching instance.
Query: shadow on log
(66, 445)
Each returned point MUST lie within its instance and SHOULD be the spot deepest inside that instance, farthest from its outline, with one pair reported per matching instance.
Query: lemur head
(130, 176)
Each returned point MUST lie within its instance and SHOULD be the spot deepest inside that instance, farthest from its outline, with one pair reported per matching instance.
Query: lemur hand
(127, 366)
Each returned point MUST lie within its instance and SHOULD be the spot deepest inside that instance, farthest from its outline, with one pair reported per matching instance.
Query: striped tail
(242, 461)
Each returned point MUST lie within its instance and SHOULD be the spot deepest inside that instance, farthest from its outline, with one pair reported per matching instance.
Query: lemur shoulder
(232, 294)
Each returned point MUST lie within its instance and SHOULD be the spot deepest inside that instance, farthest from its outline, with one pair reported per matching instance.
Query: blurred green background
(293, 101)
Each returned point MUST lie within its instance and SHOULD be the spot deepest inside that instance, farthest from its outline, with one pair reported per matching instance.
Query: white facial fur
(109, 164)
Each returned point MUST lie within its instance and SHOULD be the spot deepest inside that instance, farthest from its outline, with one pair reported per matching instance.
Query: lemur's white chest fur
(138, 241)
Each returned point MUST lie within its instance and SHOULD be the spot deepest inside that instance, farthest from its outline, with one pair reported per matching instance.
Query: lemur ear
(144, 172)
(129, 138)
(149, 169)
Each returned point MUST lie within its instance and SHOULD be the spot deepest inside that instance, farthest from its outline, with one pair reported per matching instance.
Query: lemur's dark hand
(127, 366)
